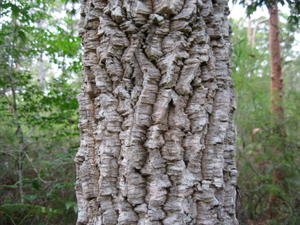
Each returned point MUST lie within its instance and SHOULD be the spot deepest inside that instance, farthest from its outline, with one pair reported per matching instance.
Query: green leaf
(8, 186)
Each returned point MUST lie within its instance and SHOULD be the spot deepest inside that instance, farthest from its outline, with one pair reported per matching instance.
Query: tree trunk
(276, 71)
(277, 107)
(157, 139)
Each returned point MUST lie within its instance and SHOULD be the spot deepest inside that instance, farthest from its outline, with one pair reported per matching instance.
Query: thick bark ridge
(157, 139)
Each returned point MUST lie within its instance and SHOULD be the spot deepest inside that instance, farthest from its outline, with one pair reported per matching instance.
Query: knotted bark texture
(157, 139)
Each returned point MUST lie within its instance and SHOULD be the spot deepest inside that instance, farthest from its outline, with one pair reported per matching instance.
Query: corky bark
(157, 139)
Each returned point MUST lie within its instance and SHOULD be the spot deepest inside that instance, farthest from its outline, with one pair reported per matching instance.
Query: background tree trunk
(276, 71)
(157, 139)
(277, 104)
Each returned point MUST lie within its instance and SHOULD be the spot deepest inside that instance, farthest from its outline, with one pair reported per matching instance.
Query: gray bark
(157, 139)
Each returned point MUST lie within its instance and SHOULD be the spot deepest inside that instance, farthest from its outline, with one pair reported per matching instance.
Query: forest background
(40, 76)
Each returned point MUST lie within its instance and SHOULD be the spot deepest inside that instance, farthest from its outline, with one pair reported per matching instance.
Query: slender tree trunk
(275, 58)
(277, 95)
(251, 30)
(19, 134)
(157, 139)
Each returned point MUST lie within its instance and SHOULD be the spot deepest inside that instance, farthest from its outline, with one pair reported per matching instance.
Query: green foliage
(257, 136)
(39, 67)
(294, 6)
(27, 213)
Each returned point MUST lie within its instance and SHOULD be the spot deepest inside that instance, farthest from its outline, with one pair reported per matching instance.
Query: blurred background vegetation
(39, 80)
(256, 131)
(40, 75)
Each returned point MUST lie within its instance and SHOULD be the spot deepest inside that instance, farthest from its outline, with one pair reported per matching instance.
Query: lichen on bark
(157, 139)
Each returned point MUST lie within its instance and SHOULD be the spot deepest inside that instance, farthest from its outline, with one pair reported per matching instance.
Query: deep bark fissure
(156, 112)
